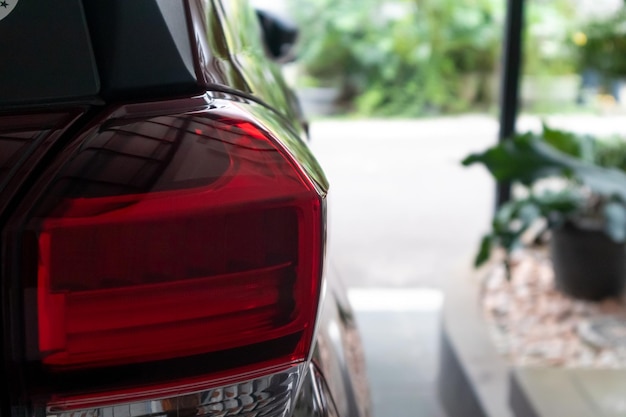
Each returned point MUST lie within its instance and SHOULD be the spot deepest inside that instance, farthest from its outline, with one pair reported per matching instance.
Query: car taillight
(163, 238)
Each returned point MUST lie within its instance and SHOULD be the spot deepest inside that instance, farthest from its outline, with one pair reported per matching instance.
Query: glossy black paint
(21, 135)
(46, 54)
(142, 48)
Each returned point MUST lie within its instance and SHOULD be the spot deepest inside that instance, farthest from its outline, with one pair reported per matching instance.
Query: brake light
(172, 236)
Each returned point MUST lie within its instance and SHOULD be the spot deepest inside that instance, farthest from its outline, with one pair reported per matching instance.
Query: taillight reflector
(174, 236)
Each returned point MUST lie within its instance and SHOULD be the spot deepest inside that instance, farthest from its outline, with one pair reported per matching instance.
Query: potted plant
(573, 187)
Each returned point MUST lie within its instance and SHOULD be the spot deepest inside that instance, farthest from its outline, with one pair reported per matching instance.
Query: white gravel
(533, 324)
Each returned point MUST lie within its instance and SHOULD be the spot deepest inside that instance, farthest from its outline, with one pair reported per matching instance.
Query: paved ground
(400, 329)
(403, 212)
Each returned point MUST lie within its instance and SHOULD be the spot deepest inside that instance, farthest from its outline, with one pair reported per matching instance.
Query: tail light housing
(188, 244)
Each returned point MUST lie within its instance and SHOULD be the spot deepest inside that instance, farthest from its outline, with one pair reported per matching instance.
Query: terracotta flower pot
(587, 264)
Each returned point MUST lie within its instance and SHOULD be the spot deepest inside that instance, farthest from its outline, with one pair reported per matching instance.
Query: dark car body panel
(144, 49)
(46, 54)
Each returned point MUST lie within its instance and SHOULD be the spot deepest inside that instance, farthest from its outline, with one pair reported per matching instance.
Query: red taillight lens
(174, 236)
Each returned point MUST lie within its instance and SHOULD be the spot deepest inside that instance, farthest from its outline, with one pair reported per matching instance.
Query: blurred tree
(402, 57)
(602, 44)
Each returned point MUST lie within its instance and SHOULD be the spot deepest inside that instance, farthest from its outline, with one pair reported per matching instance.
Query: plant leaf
(560, 203)
(565, 142)
(504, 216)
(523, 158)
(484, 251)
(615, 221)
(526, 159)
(529, 212)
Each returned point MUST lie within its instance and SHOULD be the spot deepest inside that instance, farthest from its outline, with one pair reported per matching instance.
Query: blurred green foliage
(402, 57)
(418, 57)
(603, 47)
(549, 49)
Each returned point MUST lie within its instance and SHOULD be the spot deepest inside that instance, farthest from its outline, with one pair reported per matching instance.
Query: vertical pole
(509, 91)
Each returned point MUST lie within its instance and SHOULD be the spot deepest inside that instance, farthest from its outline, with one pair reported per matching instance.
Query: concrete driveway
(403, 212)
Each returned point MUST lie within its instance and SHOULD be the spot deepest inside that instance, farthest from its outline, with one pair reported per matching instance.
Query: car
(163, 221)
